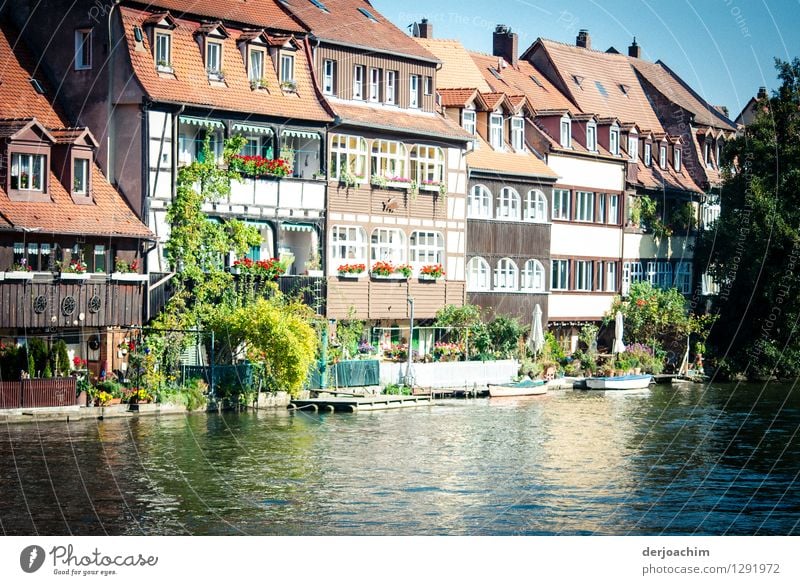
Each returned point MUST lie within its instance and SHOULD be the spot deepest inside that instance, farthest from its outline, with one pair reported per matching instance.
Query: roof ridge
(576, 47)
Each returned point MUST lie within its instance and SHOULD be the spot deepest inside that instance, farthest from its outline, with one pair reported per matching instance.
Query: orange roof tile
(397, 120)
(457, 70)
(457, 98)
(264, 13)
(654, 177)
(485, 158)
(190, 83)
(344, 23)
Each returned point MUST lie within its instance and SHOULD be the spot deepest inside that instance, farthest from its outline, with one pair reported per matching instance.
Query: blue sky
(725, 49)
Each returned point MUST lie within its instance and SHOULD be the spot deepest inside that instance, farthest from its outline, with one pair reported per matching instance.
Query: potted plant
(164, 66)
(75, 270)
(259, 84)
(379, 181)
(351, 270)
(289, 86)
(405, 270)
(125, 271)
(431, 272)
(383, 270)
(20, 271)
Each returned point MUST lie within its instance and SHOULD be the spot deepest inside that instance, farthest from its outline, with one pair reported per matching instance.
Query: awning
(203, 122)
(252, 129)
(297, 227)
(301, 134)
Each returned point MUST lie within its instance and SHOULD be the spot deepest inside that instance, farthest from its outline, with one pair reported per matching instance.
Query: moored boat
(524, 388)
(620, 383)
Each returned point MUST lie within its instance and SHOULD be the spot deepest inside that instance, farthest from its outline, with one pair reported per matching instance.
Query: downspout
(110, 153)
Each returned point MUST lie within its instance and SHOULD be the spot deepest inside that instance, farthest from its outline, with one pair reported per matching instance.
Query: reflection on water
(677, 461)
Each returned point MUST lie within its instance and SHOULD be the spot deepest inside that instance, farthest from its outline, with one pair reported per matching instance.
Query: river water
(682, 460)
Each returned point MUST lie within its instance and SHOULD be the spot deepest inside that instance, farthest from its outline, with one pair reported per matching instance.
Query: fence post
(211, 368)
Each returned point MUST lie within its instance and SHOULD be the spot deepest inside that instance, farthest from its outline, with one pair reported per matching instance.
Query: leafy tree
(470, 329)
(505, 334)
(754, 248)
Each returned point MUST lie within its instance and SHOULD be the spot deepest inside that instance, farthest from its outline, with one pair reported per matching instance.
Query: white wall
(592, 174)
(451, 374)
(576, 240)
(645, 246)
(578, 306)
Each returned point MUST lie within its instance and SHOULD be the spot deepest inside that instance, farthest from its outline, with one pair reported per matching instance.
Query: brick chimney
(762, 93)
(506, 44)
(583, 39)
(424, 29)
(635, 50)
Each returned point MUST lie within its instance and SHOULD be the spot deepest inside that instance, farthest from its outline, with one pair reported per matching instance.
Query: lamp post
(409, 374)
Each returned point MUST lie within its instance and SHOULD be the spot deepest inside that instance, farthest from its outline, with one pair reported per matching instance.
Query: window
(255, 72)
(468, 121)
(368, 14)
(27, 172)
(164, 51)
(99, 258)
(358, 82)
(707, 152)
(613, 140)
(659, 274)
(560, 275)
(536, 206)
(348, 244)
(427, 165)
(709, 285)
(611, 276)
(506, 275)
(388, 245)
(414, 88)
(374, 85)
(426, 248)
(428, 85)
(391, 87)
(533, 276)
(561, 204)
(496, 131)
(677, 160)
(600, 274)
(320, 5)
(662, 156)
(710, 210)
(214, 59)
(648, 154)
(518, 133)
(287, 68)
(80, 176)
(584, 206)
(36, 256)
(591, 137)
(83, 49)
(718, 153)
(478, 274)
(348, 155)
(584, 270)
(508, 206)
(631, 273)
(566, 132)
(329, 77)
(633, 148)
(601, 208)
(613, 209)
(389, 159)
(683, 278)
(480, 203)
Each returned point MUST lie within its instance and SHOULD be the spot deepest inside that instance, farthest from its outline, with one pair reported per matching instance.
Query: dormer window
(707, 152)
(591, 137)
(677, 159)
(718, 153)
(566, 132)
(496, 131)
(28, 172)
(256, 61)
(614, 140)
(80, 176)
(633, 147)
(648, 154)
(518, 133)
(329, 77)
(662, 156)
(164, 52)
(214, 60)
(468, 120)
(160, 27)
(287, 68)
(358, 82)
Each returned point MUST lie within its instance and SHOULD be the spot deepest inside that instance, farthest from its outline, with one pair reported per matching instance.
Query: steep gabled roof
(457, 69)
(457, 98)
(262, 13)
(355, 23)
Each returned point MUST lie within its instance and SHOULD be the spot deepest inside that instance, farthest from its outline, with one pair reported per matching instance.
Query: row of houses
(521, 174)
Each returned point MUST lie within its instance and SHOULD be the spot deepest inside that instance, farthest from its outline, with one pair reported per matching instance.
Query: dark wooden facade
(518, 305)
(367, 298)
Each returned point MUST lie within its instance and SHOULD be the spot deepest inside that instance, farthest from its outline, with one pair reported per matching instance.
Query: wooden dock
(359, 403)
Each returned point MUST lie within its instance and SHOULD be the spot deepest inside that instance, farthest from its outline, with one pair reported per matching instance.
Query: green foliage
(684, 217)
(397, 390)
(60, 357)
(754, 248)
(348, 334)
(37, 356)
(531, 369)
(505, 333)
(468, 329)
(47, 373)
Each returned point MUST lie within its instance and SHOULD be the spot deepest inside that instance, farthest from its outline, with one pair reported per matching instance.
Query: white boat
(619, 383)
(524, 388)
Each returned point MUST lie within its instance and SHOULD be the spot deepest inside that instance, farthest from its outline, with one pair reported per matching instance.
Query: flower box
(314, 273)
(75, 276)
(429, 278)
(433, 188)
(393, 276)
(351, 275)
(19, 275)
(128, 277)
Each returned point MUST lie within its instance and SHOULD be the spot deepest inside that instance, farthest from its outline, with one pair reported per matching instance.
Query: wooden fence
(38, 393)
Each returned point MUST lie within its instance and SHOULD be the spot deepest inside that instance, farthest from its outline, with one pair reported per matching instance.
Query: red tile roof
(107, 215)
(485, 158)
(397, 120)
(345, 24)
(190, 83)
(457, 69)
(263, 13)
(457, 98)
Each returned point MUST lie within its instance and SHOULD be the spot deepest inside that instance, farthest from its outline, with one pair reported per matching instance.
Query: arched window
(478, 272)
(389, 160)
(388, 245)
(536, 206)
(348, 245)
(427, 165)
(480, 203)
(348, 156)
(533, 276)
(509, 205)
(506, 275)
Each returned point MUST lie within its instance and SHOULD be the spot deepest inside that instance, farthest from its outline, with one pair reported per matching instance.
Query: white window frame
(163, 46)
(469, 120)
(678, 155)
(387, 245)
(83, 49)
(711, 211)
(350, 151)
(632, 272)
(20, 159)
(566, 132)
(425, 248)
(613, 140)
(518, 133)
(255, 71)
(213, 58)
(509, 205)
(600, 271)
(536, 206)
(633, 147)
(533, 277)
(648, 154)
(613, 210)
(591, 137)
(662, 156)
(506, 275)
(584, 206)
(413, 95)
(496, 134)
(561, 196)
(389, 159)
(83, 165)
(428, 85)
(329, 77)
(707, 152)
(479, 275)
(391, 88)
(559, 271)
(479, 204)
(584, 275)
(683, 277)
(427, 164)
(611, 276)
(348, 244)
(374, 85)
(287, 67)
(718, 153)
(359, 72)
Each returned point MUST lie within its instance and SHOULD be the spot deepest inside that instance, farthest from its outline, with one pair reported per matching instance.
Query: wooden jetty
(360, 403)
